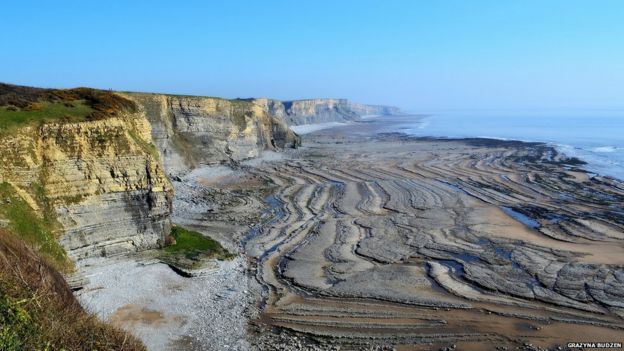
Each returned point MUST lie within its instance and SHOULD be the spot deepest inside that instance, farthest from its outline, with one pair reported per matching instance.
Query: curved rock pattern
(405, 242)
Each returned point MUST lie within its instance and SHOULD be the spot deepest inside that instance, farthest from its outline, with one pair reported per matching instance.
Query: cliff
(94, 183)
(192, 131)
(312, 111)
(383, 110)
(84, 164)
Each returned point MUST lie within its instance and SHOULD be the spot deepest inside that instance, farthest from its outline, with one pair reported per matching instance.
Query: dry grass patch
(39, 312)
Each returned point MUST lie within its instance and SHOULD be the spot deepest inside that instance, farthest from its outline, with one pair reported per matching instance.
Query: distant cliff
(191, 131)
(312, 111)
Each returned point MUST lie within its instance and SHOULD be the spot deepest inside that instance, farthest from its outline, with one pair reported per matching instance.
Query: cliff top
(21, 105)
(255, 100)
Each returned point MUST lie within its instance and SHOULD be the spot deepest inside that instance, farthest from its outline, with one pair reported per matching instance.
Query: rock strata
(408, 242)
(197, 131)
(312, 111)
(102, 180)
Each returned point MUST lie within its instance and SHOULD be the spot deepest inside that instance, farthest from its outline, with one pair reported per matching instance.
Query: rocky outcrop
(101, 180)
(312, 111)
(193, 131)
(459, 235)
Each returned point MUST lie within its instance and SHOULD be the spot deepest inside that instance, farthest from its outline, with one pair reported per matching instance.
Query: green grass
(15, 324)
(146, 146)
(191, 247)
(34, 230)
(192, 244)
(74, 111)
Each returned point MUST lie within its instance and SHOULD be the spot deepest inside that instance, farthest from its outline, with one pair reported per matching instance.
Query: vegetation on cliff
(37, 231)
(37, 177)
(73, 111)
(20, 105)
(38, 310)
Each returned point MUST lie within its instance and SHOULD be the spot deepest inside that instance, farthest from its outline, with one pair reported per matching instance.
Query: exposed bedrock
(312, 111)
(196, 131)
(101, 180)
(203, 142)
(415, 241)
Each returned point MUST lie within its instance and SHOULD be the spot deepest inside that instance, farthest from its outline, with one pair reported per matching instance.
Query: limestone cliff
(321, 110)
(192, 131)
(92, 172)
(94, 167)
(363, 109)
(101, 179)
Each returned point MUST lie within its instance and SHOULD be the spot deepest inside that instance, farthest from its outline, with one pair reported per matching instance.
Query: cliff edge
(311, 111)
(82, 164)
(190, 131)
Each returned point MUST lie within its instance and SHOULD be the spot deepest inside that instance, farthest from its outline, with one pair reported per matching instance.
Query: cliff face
(191, 131)
(96, 181)
(96, 178)
(363, 109)
(39, 311)
(101, 179)
(321, 110)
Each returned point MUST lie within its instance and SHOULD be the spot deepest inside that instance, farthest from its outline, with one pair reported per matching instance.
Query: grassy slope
(21, 105)
(74, 111)
(39, 312)
(37, 231)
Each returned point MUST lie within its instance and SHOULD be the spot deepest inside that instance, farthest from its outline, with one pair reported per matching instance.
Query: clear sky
(417, 54)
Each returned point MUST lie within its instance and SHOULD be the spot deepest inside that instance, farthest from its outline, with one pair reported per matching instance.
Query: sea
(595, 136)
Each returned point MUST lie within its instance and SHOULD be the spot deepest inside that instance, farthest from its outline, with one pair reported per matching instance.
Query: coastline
(380, 239)
(596, 145)
(422, 216)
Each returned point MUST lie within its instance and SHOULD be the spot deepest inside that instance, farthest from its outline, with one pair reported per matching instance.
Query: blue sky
(420, 55)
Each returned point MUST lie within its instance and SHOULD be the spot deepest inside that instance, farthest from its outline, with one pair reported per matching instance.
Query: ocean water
(597, 137)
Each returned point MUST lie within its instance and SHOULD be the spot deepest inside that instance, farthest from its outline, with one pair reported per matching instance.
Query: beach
(362, 239)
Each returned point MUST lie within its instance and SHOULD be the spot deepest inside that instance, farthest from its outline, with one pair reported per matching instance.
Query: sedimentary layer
(312, 111)
(402, 242)
(194, 131)
(101, 180)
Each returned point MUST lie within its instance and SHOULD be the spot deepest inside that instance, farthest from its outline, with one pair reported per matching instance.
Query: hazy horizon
(420, 56)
